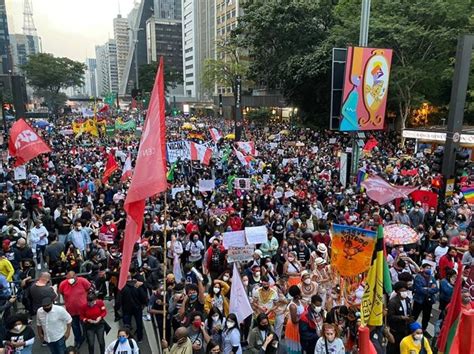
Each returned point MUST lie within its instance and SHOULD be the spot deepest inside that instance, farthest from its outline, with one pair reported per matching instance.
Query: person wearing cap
(54, 325)
(424, 295)
(6, 267)
(415, 342)
(398, 315)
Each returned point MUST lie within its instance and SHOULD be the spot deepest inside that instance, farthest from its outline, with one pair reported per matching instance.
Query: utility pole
(238, 108)
(457, 103)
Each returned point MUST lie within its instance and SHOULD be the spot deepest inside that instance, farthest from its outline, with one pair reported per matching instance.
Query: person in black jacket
(311, 324)
(398, 316)
(133, 300)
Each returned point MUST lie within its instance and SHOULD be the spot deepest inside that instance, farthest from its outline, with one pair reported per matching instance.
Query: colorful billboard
(364, 97)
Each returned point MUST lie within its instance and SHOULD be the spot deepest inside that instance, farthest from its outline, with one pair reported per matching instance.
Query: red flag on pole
(110, 167)
(24, 144)
(149, 177)
(365, 345)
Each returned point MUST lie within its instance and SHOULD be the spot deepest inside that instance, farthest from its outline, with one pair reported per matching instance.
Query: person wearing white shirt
(54, 326)
(123, 344)
(80, 238)
(39, 240)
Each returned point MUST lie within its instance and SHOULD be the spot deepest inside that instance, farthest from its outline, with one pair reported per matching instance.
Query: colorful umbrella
(230, 137)
(399, 234)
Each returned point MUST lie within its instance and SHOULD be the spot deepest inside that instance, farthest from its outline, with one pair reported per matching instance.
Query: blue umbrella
(41, 124)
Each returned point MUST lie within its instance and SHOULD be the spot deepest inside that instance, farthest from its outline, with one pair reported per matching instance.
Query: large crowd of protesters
(62, 233)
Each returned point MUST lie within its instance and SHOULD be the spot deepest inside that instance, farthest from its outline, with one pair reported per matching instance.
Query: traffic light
(438, 159)
(462, 162)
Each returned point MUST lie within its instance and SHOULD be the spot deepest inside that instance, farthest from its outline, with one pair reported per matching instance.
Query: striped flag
(201, 153)
(244, 160)
(378, 278)
(216, 135)
(468, 193)
(127, 169)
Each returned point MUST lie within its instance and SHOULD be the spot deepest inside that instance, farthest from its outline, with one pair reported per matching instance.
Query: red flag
(450, 323)
(462, 343)
(104, 109)
(149, 177)
(110, 167)
(365, 345)
(427, 198)
(370, 144)
(24, 144)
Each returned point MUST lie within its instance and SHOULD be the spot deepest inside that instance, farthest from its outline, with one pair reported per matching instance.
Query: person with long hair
(329, 341)
(20, 336)
(217, 297)
(231, 336)
(215, 323)
(296, 309)
(92, 316)
(213, 348)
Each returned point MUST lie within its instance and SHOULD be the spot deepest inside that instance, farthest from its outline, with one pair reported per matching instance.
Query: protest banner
(256, 234)
(178, 149)
(207, 185)
(234, 239)
(242, 183)
(352, 249)
(20, 173)
(240, 254)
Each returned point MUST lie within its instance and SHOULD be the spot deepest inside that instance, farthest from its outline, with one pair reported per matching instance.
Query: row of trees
(290, 43)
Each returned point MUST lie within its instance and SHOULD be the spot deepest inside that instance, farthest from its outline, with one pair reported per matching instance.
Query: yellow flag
(372, 301)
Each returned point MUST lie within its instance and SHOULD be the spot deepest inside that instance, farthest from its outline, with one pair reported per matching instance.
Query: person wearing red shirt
(74, 289)
(108, 231)
(93, 315)
(449, 260)
(192, 226)
(460, 242)
(235, 222)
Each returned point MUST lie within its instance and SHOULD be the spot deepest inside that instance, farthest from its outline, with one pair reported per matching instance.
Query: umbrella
(41, 124)
(399, 234)
(230, 137)
(271, 137)
(285, 132)
(193, 119)
(188, 126)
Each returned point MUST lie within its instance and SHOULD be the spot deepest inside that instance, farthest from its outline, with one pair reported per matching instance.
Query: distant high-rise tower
(29, 28)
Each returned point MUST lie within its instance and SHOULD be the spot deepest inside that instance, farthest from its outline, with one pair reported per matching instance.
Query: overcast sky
(70, 28)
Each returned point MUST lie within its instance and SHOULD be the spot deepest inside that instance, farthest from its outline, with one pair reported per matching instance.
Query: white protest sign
(265, 178)
(256, 234)
(289, 194)
(277, 195)
(234, 239)
(177, 190)
(207, 185)
(20, 173)
(294, 161)
(240, 254)
(199, 204)
(242, 183)
(178, 149)
(332, 141)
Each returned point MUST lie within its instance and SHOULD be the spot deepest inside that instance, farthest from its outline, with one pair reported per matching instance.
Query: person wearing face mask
(197, 333)
(54, 326)
(416, 342)
(108, 231)
(80, 238)
(217, 297)
(194, 249)
(259, 334)
(270, 247)
(125, 344)
(19, 337)
(231, 336)
(215, 323)
(311, 324)
(448, 261)
(329, 341)
(446, 287)
(424, 295)
(398, 315)
(74, 289)
(307, 286)
(441, 249)
(461, 243)
(402, 217)
(39, 241)
(468, 256)
(292, 269)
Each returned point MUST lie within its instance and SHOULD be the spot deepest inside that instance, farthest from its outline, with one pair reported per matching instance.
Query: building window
(189, 83)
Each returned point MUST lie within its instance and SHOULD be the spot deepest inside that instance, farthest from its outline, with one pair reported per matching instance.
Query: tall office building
(167, 9)
(22, 46)
(198, 44)
(107, 71)
(137, 55)
(227, 14)
(90, 80)
(164, 39)
(122, 39)
(4, 41)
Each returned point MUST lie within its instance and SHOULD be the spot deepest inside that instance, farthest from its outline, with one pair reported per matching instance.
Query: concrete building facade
(122, 40)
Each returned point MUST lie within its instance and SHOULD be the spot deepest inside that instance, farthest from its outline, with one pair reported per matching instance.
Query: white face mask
(257, 274)
(217, 290)
(404, 294)
(318, 309)
(307, 281)
(230, 324)
(418, 337)
(225, 278)
(215, 317)
(18, 328)
(245, 282)
(71, 281)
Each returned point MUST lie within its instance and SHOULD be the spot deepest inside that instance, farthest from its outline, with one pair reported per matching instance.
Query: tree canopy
(147, 75)
(48, 74)
(290, 43)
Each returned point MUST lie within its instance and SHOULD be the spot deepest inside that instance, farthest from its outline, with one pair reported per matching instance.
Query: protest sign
(240, 254)
(293, 161)
(242, 183)
(20, 173)
(256, 234)
(234, 239)
(206, 185)
(178, 149)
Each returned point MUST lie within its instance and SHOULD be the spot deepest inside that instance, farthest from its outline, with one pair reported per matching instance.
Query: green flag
(226, 154)
(170, 174)
(110, 99)
(129, 125)
(230, 183)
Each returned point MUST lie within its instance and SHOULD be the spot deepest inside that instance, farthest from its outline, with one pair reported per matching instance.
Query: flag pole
(165, 264)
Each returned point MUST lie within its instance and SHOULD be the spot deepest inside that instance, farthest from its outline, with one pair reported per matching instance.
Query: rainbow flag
(361, 177)
(468, 193)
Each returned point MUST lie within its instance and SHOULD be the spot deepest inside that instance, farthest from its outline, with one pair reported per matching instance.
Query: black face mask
(263, 327)
(47, 309)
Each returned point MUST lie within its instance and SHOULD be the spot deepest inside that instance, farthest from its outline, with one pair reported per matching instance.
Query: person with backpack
(124, 344)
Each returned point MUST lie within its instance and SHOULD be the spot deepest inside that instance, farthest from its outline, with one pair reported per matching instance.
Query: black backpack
(130, 343)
